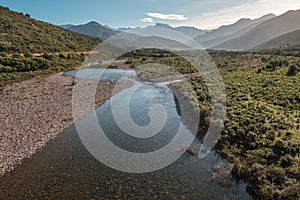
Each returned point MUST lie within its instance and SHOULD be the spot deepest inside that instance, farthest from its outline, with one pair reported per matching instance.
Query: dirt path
(57, 53)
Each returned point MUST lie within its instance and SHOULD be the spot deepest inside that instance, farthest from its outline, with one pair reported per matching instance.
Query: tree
(293, 69)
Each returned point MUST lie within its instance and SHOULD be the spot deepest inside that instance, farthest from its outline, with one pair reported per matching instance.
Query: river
(65, 169)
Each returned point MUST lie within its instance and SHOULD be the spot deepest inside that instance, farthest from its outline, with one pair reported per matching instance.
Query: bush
(259, 70)
(27, 55)
(5, 68)
(276, 175)
(47, 56)
(62, 56)
(293, 70)
(286, 161)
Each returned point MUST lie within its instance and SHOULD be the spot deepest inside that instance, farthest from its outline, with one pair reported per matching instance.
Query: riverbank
(34, 111)
(261, 130)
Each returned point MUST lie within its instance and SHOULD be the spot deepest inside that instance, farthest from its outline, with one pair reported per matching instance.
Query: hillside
(230, 29)
(129, 40)
(92, 29)
(282, 42)
(219, 40)
(264, 32)
(32, 48)
(20, 33)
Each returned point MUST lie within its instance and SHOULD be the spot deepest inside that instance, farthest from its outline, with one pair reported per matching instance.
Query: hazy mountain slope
(224, 30)
(284, 41)
(158, 42)
(123, 29)
(216, 41)
(67, 26)
(187, 30)
(129, 40)
(93, 29)
(264, 32)
(21, 33)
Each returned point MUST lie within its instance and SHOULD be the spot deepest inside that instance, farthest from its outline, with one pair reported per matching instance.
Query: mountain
(264, 32)
(95, 29)
(92, 29)
(190, 31)
(187, 30)
(129, 40)
(236, 30)
(67, 26)
(159, 42)
(282, 42)
(123, 29)
(20, 33)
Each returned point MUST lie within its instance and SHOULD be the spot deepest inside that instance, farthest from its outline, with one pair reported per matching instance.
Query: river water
(65, 169)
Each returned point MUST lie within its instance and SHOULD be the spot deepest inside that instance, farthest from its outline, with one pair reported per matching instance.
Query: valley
(242, 79)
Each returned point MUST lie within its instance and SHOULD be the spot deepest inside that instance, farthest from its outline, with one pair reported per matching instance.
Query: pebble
(29, 120)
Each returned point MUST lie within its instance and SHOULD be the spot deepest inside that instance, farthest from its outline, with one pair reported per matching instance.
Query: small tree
(293, 69)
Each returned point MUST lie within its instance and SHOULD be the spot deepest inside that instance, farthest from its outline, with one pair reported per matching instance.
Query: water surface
(64, 169)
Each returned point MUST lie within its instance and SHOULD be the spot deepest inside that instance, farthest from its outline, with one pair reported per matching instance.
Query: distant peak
(93, 23)
(244, 19)
(268, 16)
(292, 11)
(161, 25)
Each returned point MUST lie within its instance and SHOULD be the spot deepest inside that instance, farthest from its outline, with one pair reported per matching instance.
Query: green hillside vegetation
(29, 47)
(20, 33)
(18, 67)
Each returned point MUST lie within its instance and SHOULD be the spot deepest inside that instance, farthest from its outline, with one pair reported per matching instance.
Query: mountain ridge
(92, 29)
(219, 40)
(83, 29)
(264, 32)
(226, 32)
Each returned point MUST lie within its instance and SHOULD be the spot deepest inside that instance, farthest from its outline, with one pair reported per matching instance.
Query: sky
(204, 14)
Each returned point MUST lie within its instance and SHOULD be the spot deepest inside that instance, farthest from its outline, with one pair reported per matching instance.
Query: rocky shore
(35, 111)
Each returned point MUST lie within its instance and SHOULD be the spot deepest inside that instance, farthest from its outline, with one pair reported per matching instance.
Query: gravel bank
(35, 111)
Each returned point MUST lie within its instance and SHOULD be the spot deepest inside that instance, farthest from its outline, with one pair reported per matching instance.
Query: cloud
(229, 15)
(167, 17)
(147, 20)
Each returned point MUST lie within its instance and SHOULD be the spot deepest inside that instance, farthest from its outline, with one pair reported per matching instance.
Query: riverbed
(65, 169)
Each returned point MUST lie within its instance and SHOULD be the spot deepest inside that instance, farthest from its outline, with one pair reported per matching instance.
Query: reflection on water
(140, 102)
(64, 169)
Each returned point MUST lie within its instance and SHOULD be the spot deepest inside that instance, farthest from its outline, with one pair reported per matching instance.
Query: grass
(261, 133)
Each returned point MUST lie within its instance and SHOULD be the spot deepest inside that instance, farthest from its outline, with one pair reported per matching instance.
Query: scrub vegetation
(261, 134)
